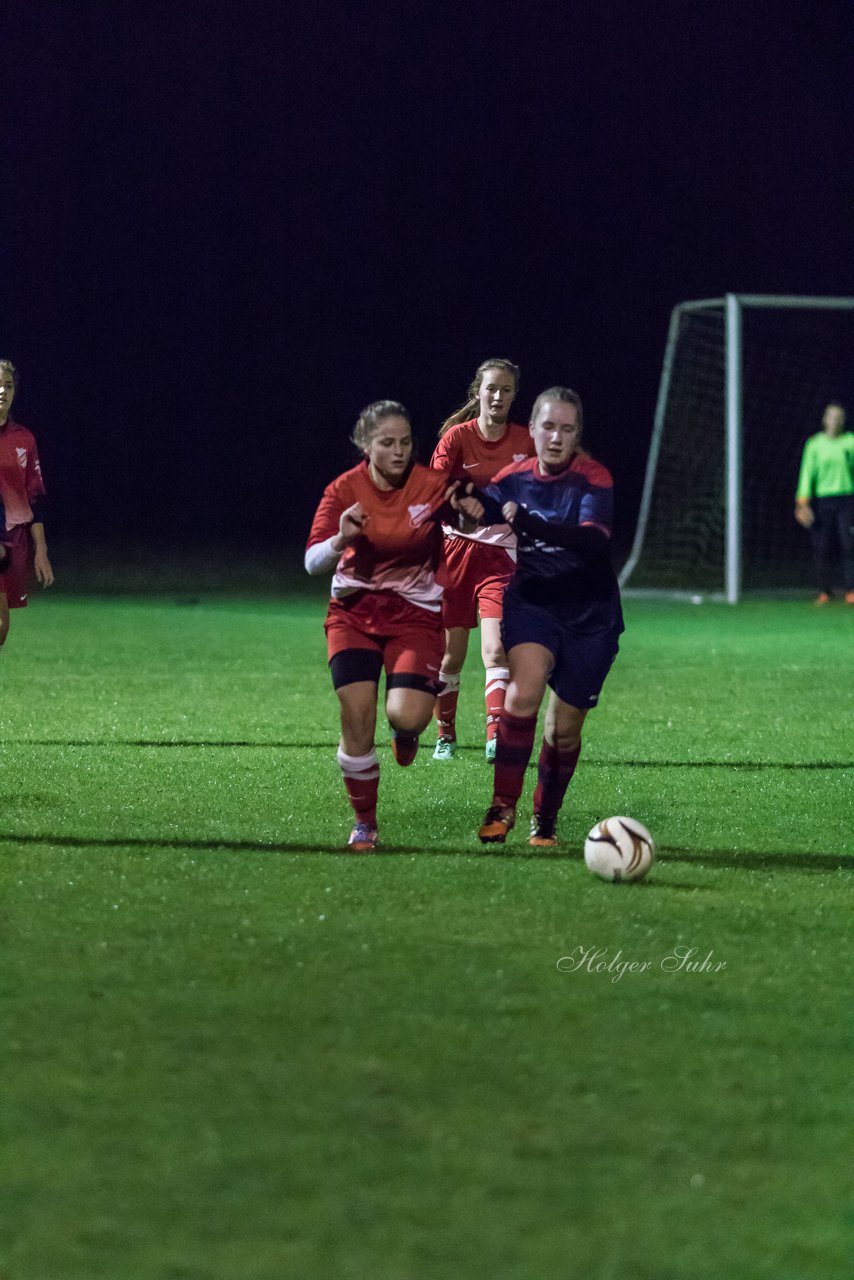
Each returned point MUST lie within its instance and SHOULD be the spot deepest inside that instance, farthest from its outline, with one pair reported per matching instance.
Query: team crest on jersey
(22, 455)
(519, 457)
(418, 513)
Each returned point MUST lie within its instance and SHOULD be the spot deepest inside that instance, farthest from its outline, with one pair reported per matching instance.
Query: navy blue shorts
(582, 661)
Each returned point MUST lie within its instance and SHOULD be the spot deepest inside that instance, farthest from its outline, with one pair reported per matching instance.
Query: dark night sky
(227, 228)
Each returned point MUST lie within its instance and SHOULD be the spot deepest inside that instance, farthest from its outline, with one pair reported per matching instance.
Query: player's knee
(522, 700)
(565, 739)
(410, 719)
(4, 630)
(409, 709)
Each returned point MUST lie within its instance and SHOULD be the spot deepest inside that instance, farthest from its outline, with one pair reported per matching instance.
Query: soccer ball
(619, 849)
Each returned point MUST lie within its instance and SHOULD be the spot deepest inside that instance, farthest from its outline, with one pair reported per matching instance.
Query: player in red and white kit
(378, 529)
(478, 565)
(22, 540)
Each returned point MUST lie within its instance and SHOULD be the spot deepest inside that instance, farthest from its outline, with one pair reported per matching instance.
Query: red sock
(362, 780)
(446, 707)
(554, 770)
(515, 744)
(497, 680)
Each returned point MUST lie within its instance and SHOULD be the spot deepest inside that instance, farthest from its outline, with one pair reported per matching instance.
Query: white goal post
(744, 381)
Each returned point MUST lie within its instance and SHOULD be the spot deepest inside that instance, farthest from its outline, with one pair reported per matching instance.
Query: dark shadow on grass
(749, 766)
(714, 857)
(758, 861)
(260, 846)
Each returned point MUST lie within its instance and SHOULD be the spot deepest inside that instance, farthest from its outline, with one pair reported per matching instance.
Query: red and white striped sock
(446, 707)
(362, 780)
(497, 680)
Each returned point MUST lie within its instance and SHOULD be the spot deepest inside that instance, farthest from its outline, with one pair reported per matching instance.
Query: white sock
(359, 766)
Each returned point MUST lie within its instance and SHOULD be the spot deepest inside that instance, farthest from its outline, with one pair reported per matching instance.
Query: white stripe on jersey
(418, 585)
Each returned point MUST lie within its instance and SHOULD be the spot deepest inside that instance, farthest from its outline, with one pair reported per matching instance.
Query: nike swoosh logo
(467, 466)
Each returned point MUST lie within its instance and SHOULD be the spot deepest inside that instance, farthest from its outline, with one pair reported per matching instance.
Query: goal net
(745, 381)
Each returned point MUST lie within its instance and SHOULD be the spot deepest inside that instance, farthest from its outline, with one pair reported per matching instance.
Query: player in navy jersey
(562, 615)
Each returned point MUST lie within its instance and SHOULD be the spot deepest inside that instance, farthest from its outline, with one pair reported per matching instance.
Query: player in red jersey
(478, 565)
(22, 540)
(377, 528)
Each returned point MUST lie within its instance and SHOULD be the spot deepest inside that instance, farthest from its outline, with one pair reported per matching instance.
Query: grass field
(232, 1052)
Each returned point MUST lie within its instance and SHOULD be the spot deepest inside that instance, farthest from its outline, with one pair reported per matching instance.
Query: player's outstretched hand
(352, 522)
(43, 568)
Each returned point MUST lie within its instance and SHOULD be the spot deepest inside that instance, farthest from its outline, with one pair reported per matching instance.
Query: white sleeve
(322, 556)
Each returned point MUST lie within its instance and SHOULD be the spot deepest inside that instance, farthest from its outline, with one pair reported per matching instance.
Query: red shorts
(475, 576)
(15, 579)
(370, 630)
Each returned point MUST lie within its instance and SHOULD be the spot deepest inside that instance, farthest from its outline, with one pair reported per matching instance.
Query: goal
(745, 380)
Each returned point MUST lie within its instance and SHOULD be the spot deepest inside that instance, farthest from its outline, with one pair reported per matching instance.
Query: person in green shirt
(825, 501)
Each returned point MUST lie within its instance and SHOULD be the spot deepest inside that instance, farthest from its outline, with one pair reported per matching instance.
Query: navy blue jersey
(557, 565)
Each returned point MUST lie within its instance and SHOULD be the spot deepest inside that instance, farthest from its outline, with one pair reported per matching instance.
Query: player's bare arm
(41, 563)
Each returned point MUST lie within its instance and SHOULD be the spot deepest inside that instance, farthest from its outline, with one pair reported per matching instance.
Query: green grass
(231, 1052)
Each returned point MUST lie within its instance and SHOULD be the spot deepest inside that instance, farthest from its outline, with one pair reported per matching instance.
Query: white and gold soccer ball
(619, 849)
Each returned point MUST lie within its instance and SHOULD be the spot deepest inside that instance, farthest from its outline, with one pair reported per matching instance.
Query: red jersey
(402, 543)
(20, 473)
(464, 453)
